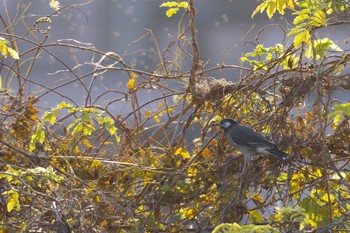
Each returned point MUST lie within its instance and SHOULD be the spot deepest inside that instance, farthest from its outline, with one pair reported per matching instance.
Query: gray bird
(248, 141)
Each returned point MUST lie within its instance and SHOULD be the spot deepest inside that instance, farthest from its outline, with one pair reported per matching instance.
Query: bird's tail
(277, 153)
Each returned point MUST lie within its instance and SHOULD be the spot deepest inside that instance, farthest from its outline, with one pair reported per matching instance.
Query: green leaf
(260, 50)
(43, 20)
(318, 215)
(86, 116)
(71, 125)
(343, 108)
(339, 111)
(320, 47)
(244, 59)
(259, 229)
(298, 29)
(109, 125)
(38, 136)
(78, 128)
(282, 178)
(228, 228)
(64, 105)
(50, 117)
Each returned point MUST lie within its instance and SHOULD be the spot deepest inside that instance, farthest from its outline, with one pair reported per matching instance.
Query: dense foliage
(162, 168)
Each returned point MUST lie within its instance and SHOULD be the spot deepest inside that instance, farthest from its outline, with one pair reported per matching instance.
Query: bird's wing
(246, 136)
(277, 153)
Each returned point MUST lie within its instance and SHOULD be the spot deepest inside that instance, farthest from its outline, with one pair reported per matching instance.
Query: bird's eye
(225, 124)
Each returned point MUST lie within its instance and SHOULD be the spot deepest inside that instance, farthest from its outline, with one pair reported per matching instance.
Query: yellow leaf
(257, 198)
(172, 11)
(3, 41)
(296, 182)
(302, 37)
(131, 84)
(319, 18)
(12, 200)
(206, 153)
(290, 4)
(156, 118)
(255, 216)
(86, 143)
(169, 4)
(95, 163)
(183, 4)
(23, 226)
(13, 53)
(50, 117)
(104, 223)
(76, 150)
(190, 213)
(55, 5)
(271, 9)
(266, 129)
(259, 8)
(216, 119)
(329, 11)
(3, 50)
(327, 197)
(117, 138)
(281, 5)
(191, 172)
(300, 18)
(337, 120)
(133, 75)
(317, 172)
(147, 114)
(183, 153)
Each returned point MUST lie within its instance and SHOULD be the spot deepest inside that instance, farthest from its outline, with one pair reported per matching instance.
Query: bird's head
(225, 123)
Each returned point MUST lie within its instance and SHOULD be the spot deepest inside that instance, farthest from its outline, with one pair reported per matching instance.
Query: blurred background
(225, 32)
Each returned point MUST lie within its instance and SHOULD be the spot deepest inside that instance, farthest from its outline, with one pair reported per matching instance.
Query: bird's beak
(214, 123)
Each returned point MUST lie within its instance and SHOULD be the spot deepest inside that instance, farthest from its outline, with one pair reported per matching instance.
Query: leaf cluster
(160, 167)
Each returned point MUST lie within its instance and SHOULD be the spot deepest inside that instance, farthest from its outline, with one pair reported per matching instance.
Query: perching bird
(248, 141)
